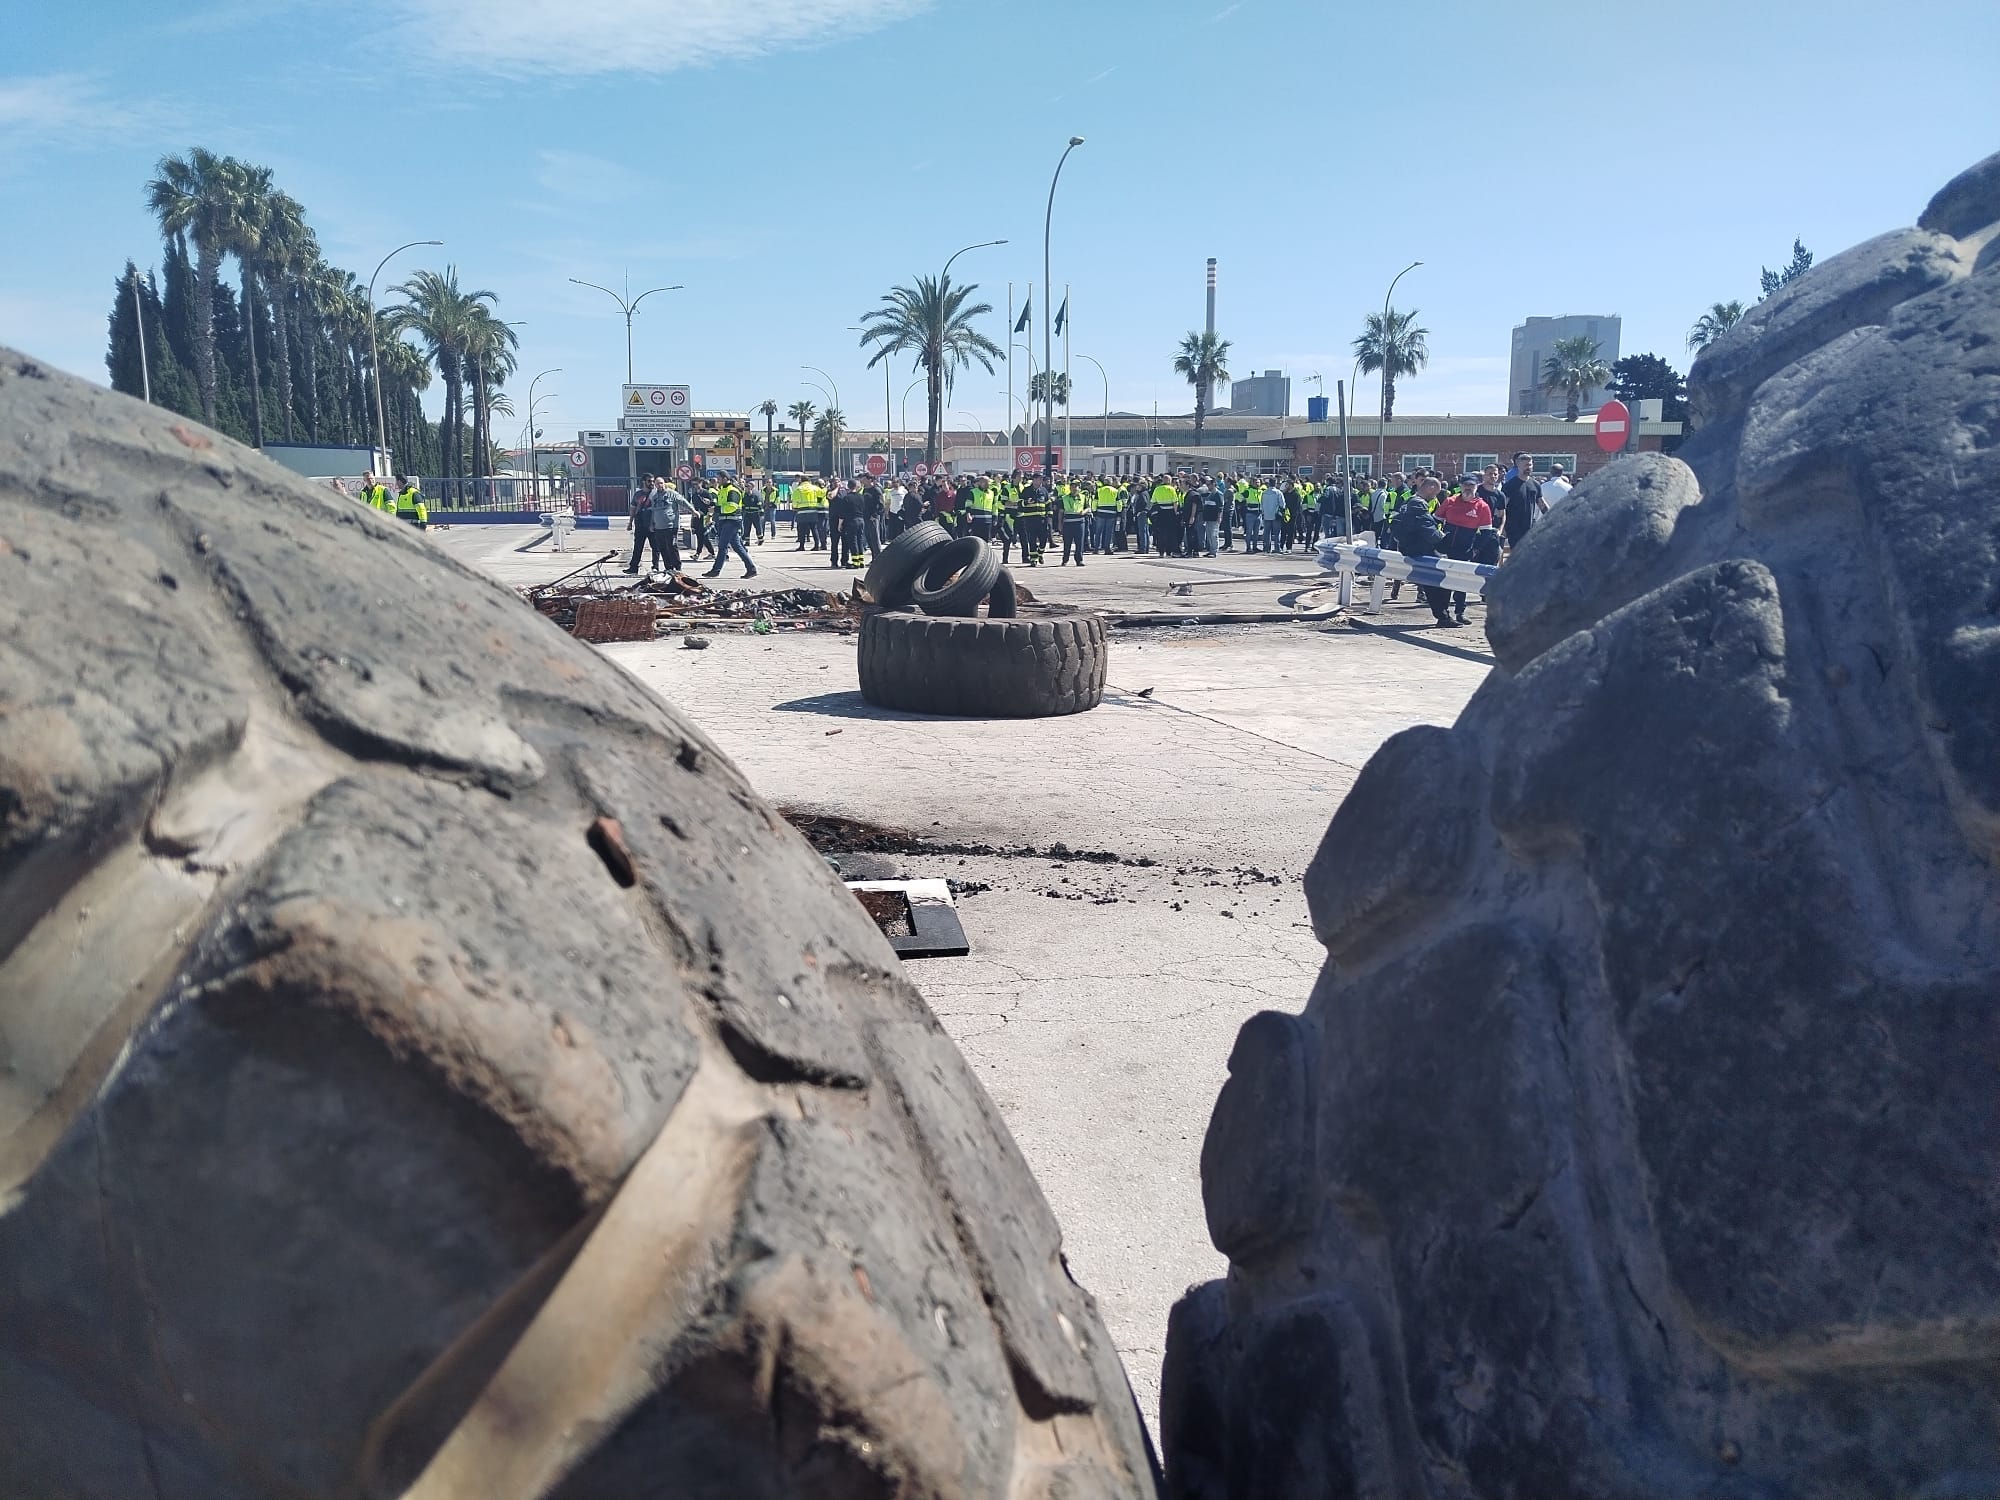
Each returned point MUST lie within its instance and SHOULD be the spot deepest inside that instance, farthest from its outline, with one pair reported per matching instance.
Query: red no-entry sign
(1614, 426)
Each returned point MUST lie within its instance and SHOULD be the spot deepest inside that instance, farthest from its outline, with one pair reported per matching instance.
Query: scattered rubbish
(832, 732)
(614, 620)
(1145, 692)
(674, 597)
(917, 916)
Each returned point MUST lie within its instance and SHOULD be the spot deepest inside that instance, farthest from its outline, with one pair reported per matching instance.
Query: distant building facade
(1266, 395)
(1535, 340)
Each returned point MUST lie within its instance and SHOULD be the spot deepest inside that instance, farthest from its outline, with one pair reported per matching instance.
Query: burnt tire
(901, 563)
(432, 1070)
(956, 578)
(1621, 1148)
(1003, 603)
(999, 669)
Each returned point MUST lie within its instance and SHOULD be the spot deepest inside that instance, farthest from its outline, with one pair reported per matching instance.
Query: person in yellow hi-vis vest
(1075, 507)
(410, 503)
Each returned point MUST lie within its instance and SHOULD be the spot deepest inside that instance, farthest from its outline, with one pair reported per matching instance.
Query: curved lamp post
(1382, 411)
(374, 354)
(1048, 334)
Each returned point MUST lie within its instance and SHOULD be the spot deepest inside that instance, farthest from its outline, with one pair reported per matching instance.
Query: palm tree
(1393, 344)
(248, 214)
(1711, 325)
(288, 248)
(827, 430)
(1573, 369)
(932, 320)
(801, 412)
(194, 198)
(405, 372)
(769, 409)
(1042, 388)
(490, 354)
(1203, 361)
(442, 315)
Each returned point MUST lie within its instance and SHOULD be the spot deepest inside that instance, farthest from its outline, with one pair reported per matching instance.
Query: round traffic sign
(659, 398)
(579, 459)
(922, 471)
(685, 471)
(1614, 425)
(678, 397)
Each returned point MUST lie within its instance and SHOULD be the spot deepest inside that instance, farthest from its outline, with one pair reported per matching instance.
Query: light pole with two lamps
(375, 354)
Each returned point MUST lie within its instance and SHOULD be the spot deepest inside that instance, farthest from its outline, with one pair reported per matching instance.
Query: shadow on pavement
(847, 705)
(1418, 635)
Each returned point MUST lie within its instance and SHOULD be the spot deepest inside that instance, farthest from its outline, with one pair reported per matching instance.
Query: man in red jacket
(1464, 513)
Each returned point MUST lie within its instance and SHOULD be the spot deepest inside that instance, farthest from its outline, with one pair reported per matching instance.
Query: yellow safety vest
(1107, 500)
(981, 500)
(410, 506)
(727, 501)
(1073, 503)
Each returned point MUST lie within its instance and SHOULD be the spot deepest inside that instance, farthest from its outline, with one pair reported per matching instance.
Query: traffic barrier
(1379, 565)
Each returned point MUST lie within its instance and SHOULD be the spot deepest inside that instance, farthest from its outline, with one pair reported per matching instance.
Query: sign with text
(656, 400)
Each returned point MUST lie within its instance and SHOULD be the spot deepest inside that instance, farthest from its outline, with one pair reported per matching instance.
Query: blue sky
(791, 159)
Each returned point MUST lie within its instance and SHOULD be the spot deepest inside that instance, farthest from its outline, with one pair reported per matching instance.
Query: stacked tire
(943, 657)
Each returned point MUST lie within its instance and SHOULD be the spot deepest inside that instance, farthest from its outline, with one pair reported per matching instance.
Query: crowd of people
(1475, 517)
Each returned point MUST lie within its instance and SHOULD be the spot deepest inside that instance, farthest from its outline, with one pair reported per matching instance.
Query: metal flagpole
(1068, 319)
(1346, 595)
(139, 318)
(1010, 365)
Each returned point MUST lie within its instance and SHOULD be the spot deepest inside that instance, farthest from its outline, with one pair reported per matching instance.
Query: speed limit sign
(579, 459)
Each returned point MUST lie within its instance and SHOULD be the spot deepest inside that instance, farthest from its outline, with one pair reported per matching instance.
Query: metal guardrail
(1379, 565)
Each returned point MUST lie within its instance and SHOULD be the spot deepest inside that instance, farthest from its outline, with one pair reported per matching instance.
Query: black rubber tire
(898, 565)
(992, 669)
(956, 579)
(1001, 604)
(400, 997)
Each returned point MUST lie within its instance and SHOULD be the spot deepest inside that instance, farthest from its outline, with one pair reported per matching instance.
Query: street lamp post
(833, 445)
(1048, 333)
(888, 429)
(982, 245)
(628, 307)
(1382, 410)
(832, 404)
(534, 474)
(374, 353)
(139, 322)
(1106, 439)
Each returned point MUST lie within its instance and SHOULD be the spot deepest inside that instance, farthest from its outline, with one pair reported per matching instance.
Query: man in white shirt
(1555, 488)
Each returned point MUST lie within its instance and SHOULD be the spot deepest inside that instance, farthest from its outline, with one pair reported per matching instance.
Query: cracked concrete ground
(1099, 1001)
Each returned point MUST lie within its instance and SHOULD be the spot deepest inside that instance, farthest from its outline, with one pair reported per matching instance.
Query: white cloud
(529, 38)
(67, 108)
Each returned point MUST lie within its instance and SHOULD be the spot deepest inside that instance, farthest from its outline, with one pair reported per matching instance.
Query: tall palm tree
(490, 355)
(1048, 385)
(248, 216)
(1203, 361)
(769, 409)
(442, 315)
(1574, 368)
(1711, 325)
(194, 198)
(801, 412)
(827, 430)
(931, 319)
(288, 246)
(1396, 346)
(405, 372)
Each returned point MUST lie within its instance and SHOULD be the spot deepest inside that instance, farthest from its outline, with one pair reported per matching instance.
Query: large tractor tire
(430, 1069)
(991, 668)
(1639, 1137)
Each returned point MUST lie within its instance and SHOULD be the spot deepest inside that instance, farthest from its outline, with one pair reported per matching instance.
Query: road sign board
(649, 422)
(1031, 458)
(922, 471)
(579, 458)
(685, 471)
(1614, 426)
(655, 400)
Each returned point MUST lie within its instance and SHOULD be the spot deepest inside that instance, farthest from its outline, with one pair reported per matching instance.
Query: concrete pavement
(1102, 995)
